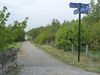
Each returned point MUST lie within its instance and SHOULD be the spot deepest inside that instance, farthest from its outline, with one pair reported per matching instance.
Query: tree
(18, 30)
(46, 35)
(4, 15)
(64, 36)
(10, 33)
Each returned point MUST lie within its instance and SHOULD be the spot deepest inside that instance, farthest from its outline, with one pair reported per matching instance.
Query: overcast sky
(40, 12)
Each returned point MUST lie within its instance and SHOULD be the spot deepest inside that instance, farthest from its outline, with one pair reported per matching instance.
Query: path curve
(34, 61)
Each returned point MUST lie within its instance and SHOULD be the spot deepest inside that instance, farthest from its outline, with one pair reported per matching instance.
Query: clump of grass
(17, 45)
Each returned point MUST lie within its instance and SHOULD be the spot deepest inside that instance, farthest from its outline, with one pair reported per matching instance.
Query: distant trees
(10, 33)
(45, 34)
(64, 35)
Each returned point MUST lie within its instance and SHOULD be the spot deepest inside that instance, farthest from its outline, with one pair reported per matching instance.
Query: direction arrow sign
(76, 11)
(77, 5)
(83, 10)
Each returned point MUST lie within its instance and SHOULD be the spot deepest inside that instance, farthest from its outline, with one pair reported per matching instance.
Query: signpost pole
(79, 32)
(82, 9)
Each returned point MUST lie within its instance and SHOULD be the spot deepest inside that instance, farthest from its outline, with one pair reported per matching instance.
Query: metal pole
(79, 33)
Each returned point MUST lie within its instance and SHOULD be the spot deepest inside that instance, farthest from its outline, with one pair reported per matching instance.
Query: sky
(40, 12)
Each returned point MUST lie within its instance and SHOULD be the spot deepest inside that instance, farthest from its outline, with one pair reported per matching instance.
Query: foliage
(66, 34)
(45, 34)
(64, 37)
(10, 33)
(18, 30)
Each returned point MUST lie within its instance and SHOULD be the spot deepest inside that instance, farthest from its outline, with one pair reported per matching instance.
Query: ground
(34, 61)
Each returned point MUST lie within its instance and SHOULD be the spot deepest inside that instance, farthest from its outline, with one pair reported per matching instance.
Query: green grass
(15, 45)
(87, 63)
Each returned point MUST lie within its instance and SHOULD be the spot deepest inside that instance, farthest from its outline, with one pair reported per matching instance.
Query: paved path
(34, 61)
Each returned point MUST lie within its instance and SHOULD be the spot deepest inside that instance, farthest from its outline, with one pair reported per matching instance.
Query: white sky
(40, 12)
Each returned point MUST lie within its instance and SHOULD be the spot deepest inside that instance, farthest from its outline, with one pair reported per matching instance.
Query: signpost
(82, 9)
(77, 5)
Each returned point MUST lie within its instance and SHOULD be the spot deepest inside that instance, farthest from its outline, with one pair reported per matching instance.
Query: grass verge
(87, 63)
(15, 45)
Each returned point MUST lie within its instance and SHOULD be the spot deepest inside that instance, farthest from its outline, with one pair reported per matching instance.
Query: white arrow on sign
(83, 10)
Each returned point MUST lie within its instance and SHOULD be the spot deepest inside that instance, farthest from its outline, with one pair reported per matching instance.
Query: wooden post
(72, 47)
(87, 50)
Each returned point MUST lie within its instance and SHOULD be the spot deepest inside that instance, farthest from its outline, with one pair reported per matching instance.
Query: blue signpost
(82, 9)
(85, 8)
(76, 11)
(77, 5)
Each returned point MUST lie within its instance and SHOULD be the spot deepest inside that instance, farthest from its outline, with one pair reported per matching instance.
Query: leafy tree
(46, 35)
(63, 37)
(10, 33)
(18, 30)
(3, 29)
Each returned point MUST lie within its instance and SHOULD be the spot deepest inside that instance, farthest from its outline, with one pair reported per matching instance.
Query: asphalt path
(34, 61)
